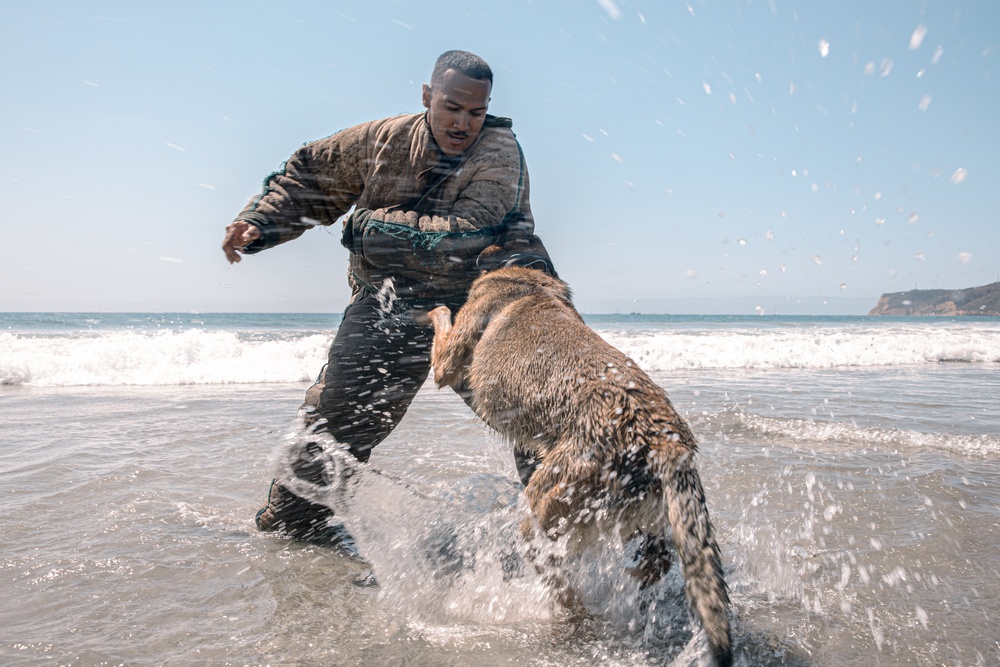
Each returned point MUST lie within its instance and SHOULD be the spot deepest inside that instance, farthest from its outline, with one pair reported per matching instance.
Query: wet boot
(300, 518)
(290, 513)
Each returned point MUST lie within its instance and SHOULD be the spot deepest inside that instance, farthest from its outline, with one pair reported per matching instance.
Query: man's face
(456, 109)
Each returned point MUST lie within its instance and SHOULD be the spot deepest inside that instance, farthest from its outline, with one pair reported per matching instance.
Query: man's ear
(427, 96)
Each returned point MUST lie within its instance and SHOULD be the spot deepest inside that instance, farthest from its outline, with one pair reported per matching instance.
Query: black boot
(298, 517)
(302, 519)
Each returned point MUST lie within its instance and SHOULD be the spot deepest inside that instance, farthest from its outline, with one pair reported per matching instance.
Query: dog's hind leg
(654, 559)
(557, 507)
(558, 492)
(548, 564)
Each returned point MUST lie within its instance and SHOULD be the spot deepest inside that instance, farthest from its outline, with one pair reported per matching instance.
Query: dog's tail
(697, 550)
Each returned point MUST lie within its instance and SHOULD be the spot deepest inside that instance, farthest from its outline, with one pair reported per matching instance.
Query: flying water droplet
(611, 8)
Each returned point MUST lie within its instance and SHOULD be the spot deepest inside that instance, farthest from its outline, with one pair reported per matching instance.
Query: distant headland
(983, 300)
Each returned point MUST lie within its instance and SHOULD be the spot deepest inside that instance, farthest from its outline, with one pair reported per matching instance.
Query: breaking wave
(138, 356)
(808, 348)
(159, 358)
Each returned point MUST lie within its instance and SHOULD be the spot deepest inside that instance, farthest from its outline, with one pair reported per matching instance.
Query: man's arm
(315, 186)
(517, 244)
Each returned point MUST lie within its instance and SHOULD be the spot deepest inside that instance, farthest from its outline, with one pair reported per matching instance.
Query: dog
(611, 450)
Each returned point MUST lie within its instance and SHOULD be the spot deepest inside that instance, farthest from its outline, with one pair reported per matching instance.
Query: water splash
(451, 557)
(392, 311)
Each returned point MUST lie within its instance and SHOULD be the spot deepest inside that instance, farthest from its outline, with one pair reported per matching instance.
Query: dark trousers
(376, 365)
(377, 362)
(379, 359)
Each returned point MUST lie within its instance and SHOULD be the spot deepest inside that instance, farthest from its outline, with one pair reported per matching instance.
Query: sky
(700, 156)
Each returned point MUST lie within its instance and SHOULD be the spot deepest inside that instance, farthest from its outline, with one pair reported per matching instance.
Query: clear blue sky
(691, 157)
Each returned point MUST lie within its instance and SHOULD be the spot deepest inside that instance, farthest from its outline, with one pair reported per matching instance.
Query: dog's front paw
(440, 317)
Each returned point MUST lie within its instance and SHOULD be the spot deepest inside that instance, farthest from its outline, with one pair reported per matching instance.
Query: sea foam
(852, 437)
(159, 358)
(223, 356)
(806, 348)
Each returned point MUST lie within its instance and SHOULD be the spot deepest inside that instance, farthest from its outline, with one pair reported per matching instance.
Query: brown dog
(612, 451)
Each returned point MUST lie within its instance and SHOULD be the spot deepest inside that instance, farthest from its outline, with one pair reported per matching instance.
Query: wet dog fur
(612, 451)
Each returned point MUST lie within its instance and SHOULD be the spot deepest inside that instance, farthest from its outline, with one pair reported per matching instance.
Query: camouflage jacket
(429, 222)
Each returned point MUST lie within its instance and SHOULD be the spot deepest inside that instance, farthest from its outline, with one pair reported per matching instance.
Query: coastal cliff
(983, 300)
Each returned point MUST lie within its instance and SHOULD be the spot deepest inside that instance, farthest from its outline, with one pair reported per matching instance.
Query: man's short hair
(463, 62)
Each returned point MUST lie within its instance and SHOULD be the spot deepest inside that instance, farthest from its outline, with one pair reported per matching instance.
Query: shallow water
(850, 466)
(857, 510)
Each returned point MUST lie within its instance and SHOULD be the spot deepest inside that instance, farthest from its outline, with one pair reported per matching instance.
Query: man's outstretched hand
(238, 235)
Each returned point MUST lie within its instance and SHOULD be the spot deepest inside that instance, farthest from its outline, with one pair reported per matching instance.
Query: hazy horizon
(776, 305)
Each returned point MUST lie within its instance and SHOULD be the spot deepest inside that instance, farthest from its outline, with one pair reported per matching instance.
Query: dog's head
(514, 282)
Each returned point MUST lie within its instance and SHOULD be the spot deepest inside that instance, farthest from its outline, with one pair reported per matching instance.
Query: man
(439, 197)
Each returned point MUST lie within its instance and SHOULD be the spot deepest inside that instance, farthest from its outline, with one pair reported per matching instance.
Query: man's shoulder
(404, 122)
(497, 140)
(498, 121)
(381, 130)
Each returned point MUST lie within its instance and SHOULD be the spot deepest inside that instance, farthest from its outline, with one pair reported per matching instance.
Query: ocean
(851, 466)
